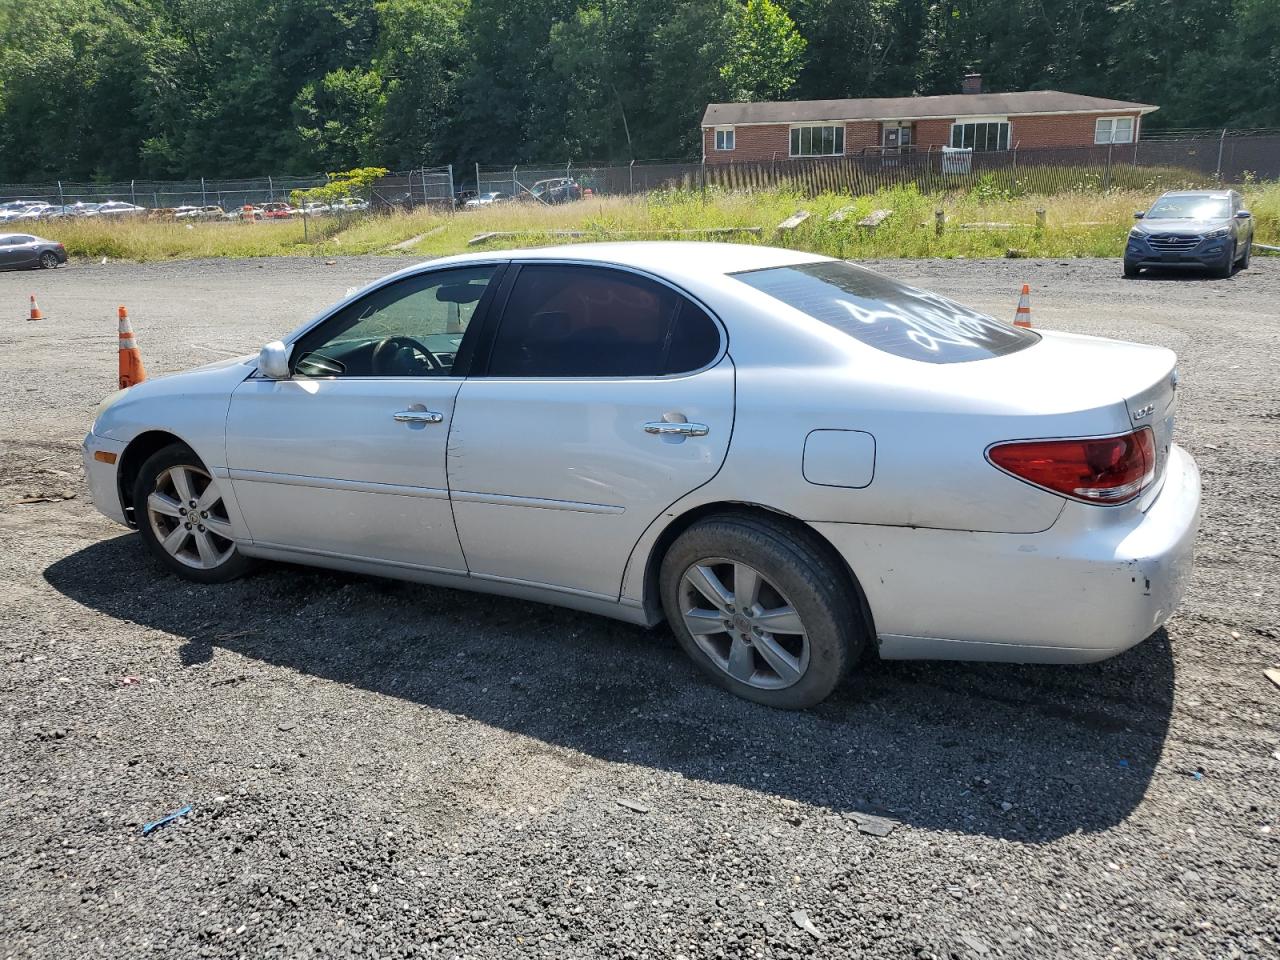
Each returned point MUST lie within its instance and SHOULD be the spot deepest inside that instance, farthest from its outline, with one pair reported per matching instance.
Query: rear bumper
(103, 487)
(1091, 586)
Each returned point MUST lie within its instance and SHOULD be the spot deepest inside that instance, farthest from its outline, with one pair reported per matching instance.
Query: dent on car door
(607, 396)
(346, 458)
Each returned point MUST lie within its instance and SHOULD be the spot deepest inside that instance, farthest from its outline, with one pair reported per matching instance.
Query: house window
(817, 140)
(724, 138)
(980, 135)
(1113, 130)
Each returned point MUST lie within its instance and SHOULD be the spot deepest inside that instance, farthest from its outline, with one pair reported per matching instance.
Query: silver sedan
(794, 461)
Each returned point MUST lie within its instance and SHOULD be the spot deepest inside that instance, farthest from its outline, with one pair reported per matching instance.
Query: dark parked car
(556, 190)
(1192, 228)
(18, 250)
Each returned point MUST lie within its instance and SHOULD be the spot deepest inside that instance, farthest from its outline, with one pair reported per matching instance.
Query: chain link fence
(1149, 164)
(1155, 164)
(410, 188)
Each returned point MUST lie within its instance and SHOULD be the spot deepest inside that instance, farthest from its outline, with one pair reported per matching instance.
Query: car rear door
(605, 396)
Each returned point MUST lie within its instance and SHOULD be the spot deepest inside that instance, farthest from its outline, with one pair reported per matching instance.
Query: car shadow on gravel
(1019, 752)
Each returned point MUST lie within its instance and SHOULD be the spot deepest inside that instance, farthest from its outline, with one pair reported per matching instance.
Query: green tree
(764, 53)
(418, 56)
(340, 117)
(688, 51)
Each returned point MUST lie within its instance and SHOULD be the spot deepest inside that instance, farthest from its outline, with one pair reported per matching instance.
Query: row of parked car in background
(19, 211)
(29, 211)
(553, 190)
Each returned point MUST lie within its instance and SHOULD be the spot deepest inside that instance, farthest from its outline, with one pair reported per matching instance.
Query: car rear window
(889, 315)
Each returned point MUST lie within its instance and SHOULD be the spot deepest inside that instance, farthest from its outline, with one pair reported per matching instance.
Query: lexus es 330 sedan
(792, 460)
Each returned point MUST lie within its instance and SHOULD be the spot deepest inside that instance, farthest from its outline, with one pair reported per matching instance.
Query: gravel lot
(387, 770)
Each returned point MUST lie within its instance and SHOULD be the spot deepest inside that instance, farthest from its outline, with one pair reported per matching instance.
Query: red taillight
(1110, 470)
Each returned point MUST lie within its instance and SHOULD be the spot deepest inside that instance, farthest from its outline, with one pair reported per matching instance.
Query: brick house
(753, 132)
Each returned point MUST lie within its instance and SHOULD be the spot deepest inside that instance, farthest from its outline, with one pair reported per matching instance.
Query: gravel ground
(387, 770)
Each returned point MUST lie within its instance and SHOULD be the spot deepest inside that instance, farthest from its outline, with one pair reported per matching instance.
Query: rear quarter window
(888, 315)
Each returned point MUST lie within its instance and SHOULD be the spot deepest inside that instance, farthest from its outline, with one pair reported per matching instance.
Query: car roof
(673, 258)
(1212, 194)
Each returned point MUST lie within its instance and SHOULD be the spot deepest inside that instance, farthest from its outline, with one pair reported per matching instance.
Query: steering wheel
(389, 358)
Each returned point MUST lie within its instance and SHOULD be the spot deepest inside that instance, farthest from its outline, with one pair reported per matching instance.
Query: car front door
(605, 397)
(346, 458)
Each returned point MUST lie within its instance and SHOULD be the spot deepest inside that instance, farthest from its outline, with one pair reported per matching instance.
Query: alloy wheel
(189, 519)
(48, 260)
(744, 623)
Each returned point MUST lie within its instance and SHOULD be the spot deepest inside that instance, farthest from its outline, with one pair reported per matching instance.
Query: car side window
(411, 328)
(580, 321)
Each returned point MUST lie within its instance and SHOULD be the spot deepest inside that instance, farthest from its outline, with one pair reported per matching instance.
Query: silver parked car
(120, 208)
(793, 460)
(1192, 228)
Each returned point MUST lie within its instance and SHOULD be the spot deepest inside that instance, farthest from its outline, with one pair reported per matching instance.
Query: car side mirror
(1138, 214)
(1243, 215)
(273, 361)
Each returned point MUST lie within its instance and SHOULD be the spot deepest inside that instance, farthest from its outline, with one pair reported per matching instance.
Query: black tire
(797, 570)
(1224, 272)
(1248, 252)
(1131, 270)
(152, 479)
(49, 260)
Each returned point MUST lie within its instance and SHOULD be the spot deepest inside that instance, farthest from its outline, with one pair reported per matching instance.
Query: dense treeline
(161, 88)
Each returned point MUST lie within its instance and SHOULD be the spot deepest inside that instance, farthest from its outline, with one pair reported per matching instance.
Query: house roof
(917, 108)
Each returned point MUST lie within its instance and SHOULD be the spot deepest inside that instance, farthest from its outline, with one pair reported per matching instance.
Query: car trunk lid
(1127, 386)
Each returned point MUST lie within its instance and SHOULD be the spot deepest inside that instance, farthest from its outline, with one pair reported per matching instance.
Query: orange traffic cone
(131, 369)
(35, 310)
(1022, 316)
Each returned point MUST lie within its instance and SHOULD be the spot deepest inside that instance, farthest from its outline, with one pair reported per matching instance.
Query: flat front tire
(183, 519)
(762, 609)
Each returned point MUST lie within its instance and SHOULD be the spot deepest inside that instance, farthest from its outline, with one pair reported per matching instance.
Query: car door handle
(663, 428)
(418, 416)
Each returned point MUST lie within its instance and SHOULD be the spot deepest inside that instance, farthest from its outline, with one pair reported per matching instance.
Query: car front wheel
(1227, 268)
(763, 609)
(1248, 251)
(1131, 270)
(183, 519)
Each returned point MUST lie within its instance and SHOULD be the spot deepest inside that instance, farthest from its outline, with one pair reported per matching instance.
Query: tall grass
(1077, 223)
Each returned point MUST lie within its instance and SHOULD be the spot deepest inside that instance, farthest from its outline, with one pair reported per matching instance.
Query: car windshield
(1190, 208)
(888, 315)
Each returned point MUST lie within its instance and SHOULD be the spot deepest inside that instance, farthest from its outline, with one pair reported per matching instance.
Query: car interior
(404, 338)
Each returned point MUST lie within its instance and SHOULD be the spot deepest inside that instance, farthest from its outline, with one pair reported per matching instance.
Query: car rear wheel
(183, 519)
(49, 260)
(762, 609)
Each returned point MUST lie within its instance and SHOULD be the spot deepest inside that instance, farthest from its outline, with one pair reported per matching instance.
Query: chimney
(972, 83)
